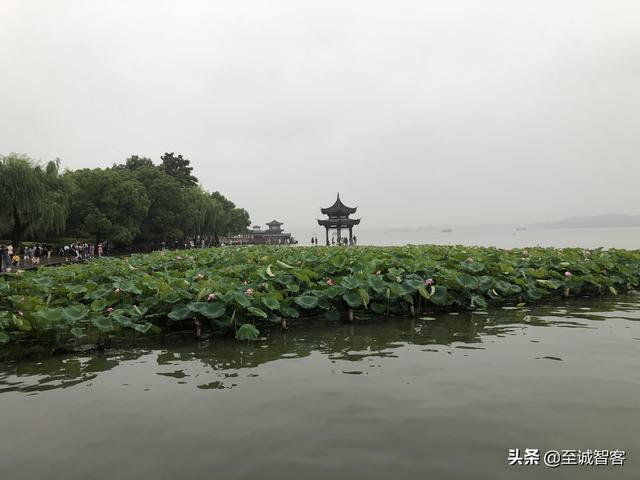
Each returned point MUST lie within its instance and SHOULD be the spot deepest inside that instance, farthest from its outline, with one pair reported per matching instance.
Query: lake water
(377, 399)
(498, 236)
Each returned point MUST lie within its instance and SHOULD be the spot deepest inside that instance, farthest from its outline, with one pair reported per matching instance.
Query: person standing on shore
(37, 252)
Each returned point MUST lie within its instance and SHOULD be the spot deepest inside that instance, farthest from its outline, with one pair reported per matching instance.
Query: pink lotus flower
(117, 290)
(428, 282)
(378, 272)
(249, 291)
(329, 282)
(525, 253)
(109, 310)
(178, 258)
(199, 276)
(470, 260)
(20, 314)
(245, 282)
(568, 274)
(211, 296)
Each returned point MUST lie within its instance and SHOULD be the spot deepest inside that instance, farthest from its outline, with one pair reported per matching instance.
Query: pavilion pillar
(339, 237)
(350, 235)
(326, 229)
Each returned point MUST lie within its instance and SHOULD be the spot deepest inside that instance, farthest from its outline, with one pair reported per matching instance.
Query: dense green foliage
(136, 201)
(223, 289)
(33, 199)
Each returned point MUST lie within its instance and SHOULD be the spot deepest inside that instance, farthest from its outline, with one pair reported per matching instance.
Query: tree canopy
(134, 201)
(34, 199)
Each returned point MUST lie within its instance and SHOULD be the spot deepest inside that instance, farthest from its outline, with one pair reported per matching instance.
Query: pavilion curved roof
(338, 209)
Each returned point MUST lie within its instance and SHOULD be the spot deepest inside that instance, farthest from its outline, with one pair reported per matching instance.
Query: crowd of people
(81, 251)
(342, 241)
(33, 255)
(27, 255)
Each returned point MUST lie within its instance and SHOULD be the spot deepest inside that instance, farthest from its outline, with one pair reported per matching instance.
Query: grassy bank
(235, 290)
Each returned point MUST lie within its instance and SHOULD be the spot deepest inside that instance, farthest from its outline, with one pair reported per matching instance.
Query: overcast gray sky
(419, 112)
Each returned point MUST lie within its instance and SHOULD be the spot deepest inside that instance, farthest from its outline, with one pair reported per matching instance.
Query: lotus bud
(329, 282)
(249, 291)
(109, 310)
(567, 274)
(211, 296)
(428, 282)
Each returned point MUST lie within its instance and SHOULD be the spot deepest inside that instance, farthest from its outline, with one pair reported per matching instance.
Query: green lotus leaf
(440, 295)
(98, 305)
(103, 324)
(364, 295)
(377, 283)
(257, 312)
(353, 299)
(271, 303)
(350, 282)
(242, 299)
(50, 314)
(75, 313)
(212, 310)
(179, 313)
(142, 327)
(307, 301)
(467, 281)
(290, 312)
(76, 288)
(247, 331)
(121, 319)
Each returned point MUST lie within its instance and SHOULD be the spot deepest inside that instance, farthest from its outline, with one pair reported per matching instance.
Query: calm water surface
(441, 398)
(498, 236)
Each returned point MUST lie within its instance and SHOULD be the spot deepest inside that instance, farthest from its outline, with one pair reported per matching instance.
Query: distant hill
(596, 221)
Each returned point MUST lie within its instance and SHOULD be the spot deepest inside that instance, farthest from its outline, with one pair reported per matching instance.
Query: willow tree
(33, 199)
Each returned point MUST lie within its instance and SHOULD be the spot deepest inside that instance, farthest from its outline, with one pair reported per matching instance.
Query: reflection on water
(365, 340)
(398, 398)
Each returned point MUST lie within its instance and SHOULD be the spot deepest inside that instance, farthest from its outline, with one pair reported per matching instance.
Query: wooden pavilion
(339, 220)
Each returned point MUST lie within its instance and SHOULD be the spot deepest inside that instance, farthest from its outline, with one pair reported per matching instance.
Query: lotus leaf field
(237, 290)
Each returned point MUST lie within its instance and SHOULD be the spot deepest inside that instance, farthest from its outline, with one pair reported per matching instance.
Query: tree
(168, 208)
(134, 162)
(232, 220)
(110, 204)
(179, 168)
(56, 202)
(33, 200)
